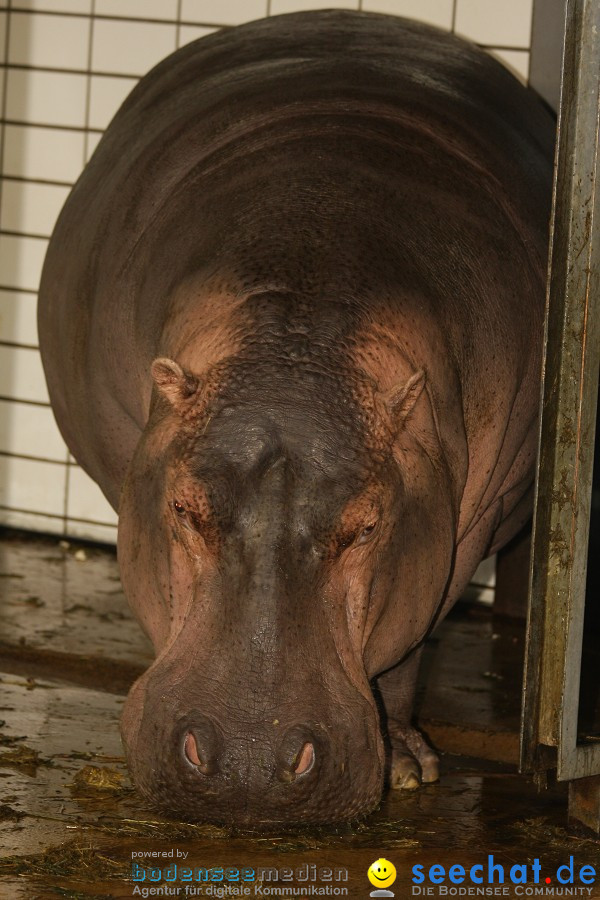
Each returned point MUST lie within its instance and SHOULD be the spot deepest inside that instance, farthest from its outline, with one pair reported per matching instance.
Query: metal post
(572, 359)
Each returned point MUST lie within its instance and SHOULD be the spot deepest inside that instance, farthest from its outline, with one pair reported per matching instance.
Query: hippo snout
(212, 766)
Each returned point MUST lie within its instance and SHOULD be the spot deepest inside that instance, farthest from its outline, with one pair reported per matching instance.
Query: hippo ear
(173, 382)
(401, 401)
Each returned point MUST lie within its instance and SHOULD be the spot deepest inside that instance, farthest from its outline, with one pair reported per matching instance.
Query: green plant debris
(553, 836)
(72, 859)
(390, 834)
(98, 778)
(77, 754)
(161, 830)
(69, 894)
(7, 740)
(25, 758)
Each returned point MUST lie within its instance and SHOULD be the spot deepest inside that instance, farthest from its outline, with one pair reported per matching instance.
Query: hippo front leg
(413, 761)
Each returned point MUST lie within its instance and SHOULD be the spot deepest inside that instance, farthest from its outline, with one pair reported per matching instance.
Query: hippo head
(281, 538)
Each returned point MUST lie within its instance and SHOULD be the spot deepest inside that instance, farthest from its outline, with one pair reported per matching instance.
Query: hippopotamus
(291, 319)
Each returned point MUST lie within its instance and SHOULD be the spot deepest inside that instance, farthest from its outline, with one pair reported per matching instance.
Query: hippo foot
(413, 761)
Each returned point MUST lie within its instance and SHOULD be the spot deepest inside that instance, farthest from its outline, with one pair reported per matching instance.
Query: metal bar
(547, 41)
(570, 386)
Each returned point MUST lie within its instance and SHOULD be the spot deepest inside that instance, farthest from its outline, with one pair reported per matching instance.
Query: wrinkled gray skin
(291, 320)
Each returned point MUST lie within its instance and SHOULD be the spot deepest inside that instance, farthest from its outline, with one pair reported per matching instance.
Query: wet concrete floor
(70, 821)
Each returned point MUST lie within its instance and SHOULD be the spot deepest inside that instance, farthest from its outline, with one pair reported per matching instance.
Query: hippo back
(311, 150)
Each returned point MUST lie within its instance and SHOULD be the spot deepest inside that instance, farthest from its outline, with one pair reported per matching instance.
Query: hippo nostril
(305, 759)
(297, 755)
(191, 749)
(200, 745)
(202, 760)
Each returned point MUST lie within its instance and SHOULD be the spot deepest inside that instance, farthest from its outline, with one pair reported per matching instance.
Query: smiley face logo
(381, 873)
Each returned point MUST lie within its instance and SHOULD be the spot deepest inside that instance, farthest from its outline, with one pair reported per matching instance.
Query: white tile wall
(25, 428)
(31, 485)
(86, 500)
(289, 6)
(46, 98)
(505, 24)
(223, 12)
(30, 207)
(87, 530)
(55, 42)
(93, 139)
(69, 66)
(138, 9)
(21, 261)
(130, 48)
(106, 95)
(18, 518)
(188, 33)
(21, 376)
(515, 60)
(65, 6)
(18, 318)
(47, 154)
(434, 12)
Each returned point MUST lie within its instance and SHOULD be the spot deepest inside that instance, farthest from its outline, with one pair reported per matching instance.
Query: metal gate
(570, 390)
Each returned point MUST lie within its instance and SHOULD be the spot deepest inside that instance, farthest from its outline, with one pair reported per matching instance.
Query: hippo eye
(367, 533)
(179, 508)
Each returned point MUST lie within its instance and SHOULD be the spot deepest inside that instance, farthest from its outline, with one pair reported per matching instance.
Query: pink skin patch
(306, 759)
(191, 750)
